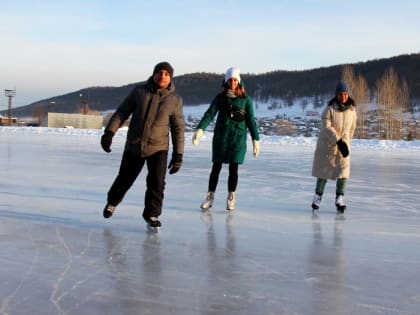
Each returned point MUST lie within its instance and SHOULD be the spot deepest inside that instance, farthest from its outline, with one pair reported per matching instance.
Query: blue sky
(53, 47)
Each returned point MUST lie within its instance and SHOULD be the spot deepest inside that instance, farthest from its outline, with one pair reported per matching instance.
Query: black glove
(238, 114)
(175, 163)
(343, 148)
(106, 140)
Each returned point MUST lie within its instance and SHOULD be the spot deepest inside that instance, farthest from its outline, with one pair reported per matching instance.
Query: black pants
(130, 168)
(232, 178)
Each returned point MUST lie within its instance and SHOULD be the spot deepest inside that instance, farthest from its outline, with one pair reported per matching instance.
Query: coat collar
(342, 107)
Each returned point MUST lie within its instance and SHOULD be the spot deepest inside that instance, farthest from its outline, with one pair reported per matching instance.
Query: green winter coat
(229, 137)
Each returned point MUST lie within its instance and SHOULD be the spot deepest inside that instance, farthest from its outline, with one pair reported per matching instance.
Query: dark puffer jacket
(154, 112)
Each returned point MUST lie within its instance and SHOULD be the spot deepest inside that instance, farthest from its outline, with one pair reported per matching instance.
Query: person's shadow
(220, 266)
(131, 284)
(325, 269)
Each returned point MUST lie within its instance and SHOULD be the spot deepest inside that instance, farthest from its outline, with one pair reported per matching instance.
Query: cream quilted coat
(338, 122)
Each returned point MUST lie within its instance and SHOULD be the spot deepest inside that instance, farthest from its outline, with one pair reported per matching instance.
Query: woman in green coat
(235, 116)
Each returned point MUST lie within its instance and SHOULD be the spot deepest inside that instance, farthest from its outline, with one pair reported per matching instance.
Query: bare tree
(404, 95)
(359, 91)
(363, 98)
(304, 104)
(348, 76)
(317, 100)
(392, 98)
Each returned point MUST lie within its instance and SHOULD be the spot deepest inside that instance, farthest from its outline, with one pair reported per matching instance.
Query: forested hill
(200, 88)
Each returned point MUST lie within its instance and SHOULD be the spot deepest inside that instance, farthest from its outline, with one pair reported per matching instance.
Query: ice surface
(270, 256)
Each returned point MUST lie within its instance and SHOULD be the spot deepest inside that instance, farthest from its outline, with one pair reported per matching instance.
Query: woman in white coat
(332, 153)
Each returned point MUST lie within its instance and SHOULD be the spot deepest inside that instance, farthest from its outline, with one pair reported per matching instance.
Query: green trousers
(340, 186)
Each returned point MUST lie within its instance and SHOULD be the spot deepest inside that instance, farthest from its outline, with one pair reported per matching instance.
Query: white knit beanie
(233, 72)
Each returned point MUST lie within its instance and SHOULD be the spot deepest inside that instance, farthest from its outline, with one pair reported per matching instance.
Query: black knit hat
(164, 66)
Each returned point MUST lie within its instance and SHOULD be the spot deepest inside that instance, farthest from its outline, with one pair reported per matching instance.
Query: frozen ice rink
(271, 255)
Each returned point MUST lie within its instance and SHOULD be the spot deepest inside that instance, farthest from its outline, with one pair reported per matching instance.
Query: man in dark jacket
(155, 111)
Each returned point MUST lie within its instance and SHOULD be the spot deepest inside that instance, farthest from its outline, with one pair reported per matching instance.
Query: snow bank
(357, 144)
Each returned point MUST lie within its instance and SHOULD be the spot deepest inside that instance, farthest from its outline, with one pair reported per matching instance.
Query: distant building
(5, 121)
(312, 113)
(29, 122)
(63, 120)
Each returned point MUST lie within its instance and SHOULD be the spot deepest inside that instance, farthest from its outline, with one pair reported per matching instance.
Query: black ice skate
(153, 224)
(108, 211)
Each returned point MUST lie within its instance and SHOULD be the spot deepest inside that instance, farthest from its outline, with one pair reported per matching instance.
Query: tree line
(387, 104)
(391, 83)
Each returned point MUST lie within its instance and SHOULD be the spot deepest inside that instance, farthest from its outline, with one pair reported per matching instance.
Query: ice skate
(208, 202)
(153, 224)
(109, 210)
(340, 204)
(316, 202)
(230, 202)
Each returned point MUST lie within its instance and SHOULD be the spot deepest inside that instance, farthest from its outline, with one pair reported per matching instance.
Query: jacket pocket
(159, 135)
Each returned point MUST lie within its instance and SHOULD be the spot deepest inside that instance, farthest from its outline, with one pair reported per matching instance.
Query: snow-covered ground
(307, 142)
(270, 256)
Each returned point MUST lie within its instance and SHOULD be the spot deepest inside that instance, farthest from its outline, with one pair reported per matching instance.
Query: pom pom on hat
(233, 72)
(164, 66)
(341, 87)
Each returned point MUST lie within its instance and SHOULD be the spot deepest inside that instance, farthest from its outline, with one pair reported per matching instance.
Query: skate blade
(153, 229)
(314, 207)
(341, 209)
(205, 209)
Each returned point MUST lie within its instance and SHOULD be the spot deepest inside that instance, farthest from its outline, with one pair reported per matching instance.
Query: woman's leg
(320, 186)
(339, 191)
(214, 176)
(319, 191)
(233, 176)
(340, 188)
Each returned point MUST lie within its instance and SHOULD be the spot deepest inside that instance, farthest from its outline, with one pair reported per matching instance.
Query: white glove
(256, 147)
(197, 136)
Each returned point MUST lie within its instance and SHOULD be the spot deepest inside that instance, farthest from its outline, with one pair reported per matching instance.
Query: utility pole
(10, 94)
